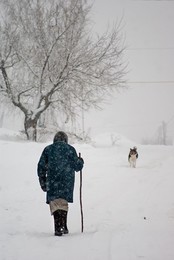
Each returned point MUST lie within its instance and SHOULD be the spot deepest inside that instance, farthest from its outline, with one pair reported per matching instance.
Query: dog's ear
(130, 149)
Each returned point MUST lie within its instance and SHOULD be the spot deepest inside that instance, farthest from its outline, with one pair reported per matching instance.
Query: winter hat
(61, 137)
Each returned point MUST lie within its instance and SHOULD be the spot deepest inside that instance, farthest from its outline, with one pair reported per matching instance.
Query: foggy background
(145, 111)
(147, 107)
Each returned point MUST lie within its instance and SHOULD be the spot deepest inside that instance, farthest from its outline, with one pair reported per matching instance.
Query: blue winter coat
(56, 170)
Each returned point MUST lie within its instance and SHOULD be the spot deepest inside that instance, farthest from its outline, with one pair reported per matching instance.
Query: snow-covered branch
(47, 53)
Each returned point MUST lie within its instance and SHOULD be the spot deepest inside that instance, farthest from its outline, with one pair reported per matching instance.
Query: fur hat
(61, 137)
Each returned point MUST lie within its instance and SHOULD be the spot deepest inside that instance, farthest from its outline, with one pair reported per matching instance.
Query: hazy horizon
(147, 27)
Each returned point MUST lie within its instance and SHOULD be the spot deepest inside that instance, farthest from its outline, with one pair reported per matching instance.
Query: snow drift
(128, 213)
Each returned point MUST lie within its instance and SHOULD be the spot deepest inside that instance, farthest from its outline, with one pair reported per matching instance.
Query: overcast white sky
(148, 28)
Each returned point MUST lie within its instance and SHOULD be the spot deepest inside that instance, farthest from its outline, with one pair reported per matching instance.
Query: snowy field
(128, 213)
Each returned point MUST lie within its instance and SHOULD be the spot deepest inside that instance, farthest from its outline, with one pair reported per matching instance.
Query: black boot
(58, 223)
(64, 221)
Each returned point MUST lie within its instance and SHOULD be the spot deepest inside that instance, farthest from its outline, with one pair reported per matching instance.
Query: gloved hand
(42, 181)
(81, 159)
(44, 188)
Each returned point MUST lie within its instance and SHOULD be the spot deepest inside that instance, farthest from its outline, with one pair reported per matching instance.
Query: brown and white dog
(132, 157)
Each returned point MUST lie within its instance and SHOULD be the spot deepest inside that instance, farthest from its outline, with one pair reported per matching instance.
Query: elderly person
(56, 171)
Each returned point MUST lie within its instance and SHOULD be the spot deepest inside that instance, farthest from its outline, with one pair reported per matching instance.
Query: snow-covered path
(128, 213)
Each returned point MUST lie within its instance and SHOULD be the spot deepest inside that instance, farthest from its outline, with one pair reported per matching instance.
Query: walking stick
(81, 208)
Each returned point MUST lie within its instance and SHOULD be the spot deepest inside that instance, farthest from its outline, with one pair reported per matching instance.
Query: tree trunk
(30, 126)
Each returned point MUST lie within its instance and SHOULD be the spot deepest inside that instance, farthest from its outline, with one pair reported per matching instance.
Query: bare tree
(49, 58)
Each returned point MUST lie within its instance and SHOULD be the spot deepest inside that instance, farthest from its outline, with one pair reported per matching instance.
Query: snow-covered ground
(128, 213)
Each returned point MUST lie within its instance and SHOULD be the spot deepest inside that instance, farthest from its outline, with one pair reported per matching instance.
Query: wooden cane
(81, 207)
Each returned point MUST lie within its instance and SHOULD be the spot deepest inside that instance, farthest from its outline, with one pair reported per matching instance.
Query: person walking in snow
(56, 171)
